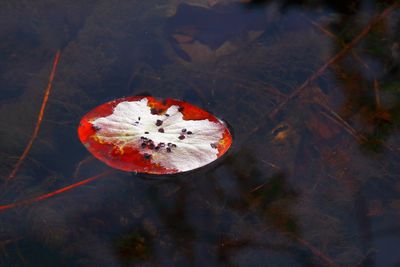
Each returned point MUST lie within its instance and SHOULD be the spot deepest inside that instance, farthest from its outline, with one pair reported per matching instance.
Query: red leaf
(147, 135)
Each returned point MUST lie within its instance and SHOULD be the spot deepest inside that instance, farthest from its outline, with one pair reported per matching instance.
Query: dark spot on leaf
(96, 128)
(181, 137)
(147, 156)
(161, 130)
(159, 122)
(183, 130)
(189, 132)
(169, 150)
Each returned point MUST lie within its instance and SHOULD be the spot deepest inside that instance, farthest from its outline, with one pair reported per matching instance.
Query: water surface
(314, 184)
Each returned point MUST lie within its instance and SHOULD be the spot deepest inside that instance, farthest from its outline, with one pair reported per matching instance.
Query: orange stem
(54, 193)
(39, 120)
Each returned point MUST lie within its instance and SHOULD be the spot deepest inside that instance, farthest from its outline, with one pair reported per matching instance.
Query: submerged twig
(80, 164)
(355, 56)
(333, 60)
(322, 29)
(39, 119)
(330, 114)
(377, 95)
(272, 115)
(54, 193)
(325, 258)
(337, 39)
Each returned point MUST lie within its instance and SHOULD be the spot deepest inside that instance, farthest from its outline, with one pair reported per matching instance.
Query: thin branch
(272, 115)
(325, 258)
(333, 59)
(377, 95)
(80, 164)
(337, 39)
(322, 29)
(333, 116)
(39, 119)
(54, 193)
(355, 56)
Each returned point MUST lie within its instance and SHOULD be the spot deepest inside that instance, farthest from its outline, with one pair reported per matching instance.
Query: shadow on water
(202, 218)
(315, 185)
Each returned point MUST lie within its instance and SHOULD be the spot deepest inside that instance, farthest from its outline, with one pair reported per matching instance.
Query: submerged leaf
(143, 134)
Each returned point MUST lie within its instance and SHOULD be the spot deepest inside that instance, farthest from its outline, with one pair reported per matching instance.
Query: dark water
(314, 184)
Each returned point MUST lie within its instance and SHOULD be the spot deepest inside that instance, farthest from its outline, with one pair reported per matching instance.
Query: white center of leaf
(166, 139)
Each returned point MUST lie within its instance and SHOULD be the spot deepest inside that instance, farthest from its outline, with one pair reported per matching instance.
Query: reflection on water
(314, 185)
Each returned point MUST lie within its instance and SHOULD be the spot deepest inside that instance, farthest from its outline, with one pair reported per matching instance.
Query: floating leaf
(147, 135)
